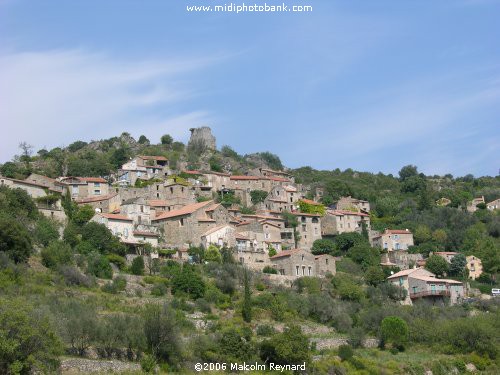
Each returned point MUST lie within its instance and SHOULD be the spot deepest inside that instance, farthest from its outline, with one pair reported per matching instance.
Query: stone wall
(202, 136)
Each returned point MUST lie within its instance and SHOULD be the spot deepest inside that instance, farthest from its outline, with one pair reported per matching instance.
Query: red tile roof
(397, 231)
(157, 203)
(96, 198)
(346, 212)
(279, 179)
(285, 253)
(92, 179)
(191, 172)
(116, 217)
(247, 178)
(186, 210)
(147, 157)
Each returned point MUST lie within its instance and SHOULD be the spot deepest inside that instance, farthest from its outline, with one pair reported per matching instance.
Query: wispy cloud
(54, 97)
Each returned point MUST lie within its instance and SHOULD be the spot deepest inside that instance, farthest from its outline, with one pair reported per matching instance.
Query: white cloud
(51, 98)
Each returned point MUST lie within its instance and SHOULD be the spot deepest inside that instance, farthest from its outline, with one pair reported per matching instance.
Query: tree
(258, 196)
(46, 231)
(166, 140)
(143, 140)
(98, 265)
(344, 241)
(162, 334)
(28, 342)
(247, 302)
(212, 254)
(374, 275)
(101, 238)
(440, 236)
(15, 240)
(458, 265)
(189, 282)
(83, 214)
(288, 347)
(394, 330)
(27, 150)
(56, 254)
(364, 255)
(437, 265)
(345, 352)
(323, 246)
(137, 267)
(407, 171)
(422, 234)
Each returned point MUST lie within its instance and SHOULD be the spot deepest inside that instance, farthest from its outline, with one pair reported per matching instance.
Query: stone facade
(299, 263)
(393, 240)
(107, 203)
(350, 204)
(219, 236)
(339, 221)
(309, 229)
(475, 267)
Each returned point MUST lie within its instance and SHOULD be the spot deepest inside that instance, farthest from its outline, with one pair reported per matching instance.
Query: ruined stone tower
(202, 136)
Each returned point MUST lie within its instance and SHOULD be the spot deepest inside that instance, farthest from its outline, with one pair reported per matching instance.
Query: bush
(189, 282)
(161, 331)
(73, 276)
(98, 265)
(323, 246)
(14, 240)
(46, 231)
(265, 330)
(118, 284)
(271, 270)
(137, 267)
(158, 290)
(56, 254)
(288, 347)
(345, 352)
(117, 260)
(148, 364)
(394, 330)
(27, 341)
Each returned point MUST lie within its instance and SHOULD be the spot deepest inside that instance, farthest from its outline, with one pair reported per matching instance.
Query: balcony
(432, 293)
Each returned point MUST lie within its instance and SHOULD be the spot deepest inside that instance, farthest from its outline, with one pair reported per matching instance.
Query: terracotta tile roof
(241, 237)
(346, 212)
(212, 207)
(397, 231)
(217, 173)
(263, 217)
(277, 172)
(158, 203)
(279, 179)
(215, 229)
(305, 214)
(93, 179)
(247, 178)
(404, 272)
(285, 253)
(145, 233)
(434, 279)
(308, 201)
(115, 217)
(446, 253)
(24, 182)
(148, 157)
(98, 198)
(186, 210)
(191, 172)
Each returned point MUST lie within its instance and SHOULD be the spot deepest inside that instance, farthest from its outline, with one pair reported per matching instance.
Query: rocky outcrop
(202, 138)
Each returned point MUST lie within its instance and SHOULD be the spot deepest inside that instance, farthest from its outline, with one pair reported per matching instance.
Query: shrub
(14, 240)
(345, 352)
(118, 284)
(265, 330)
(189, 282)
(27, 341)
(56, 254)
(288, 347)
(73, 276)
(98, 265)
(271, 270)
(161, 331)
(212, 254)
(137, 267)
(394, 330)
(117, 260)
(148, 364)
(46, 231)
(158, 290)
(323, 246)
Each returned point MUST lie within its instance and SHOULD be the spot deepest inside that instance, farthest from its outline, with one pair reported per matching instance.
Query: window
(385, 245)
(310, 273)
(316, 230)
(97, 192)
(171, 190)
(302, 257)
(297, 270)
(303, 227)
(142, 209)
(97, 184)
(326, 261)
(303, 270)
(181, 222)
(157, 195)
(125, 232)
(266, 235)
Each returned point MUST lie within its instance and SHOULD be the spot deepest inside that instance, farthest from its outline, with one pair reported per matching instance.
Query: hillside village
(166, 211)
(177, 209)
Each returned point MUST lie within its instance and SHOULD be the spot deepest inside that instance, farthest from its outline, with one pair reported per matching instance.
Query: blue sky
(369, 85)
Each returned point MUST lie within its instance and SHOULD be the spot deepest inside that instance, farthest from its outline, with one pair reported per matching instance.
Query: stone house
(266, 172)
(106, 203)
(309, 229)
(184, 226)
(249, 183)
(393, 240)
(341, 221)
(217, 181)
(281, 198)
(299, 263)
(220, 236)
(247, 253)
(123, 227)
(86, 187)
(52, 184)
(262, 234)
(493, 205)
(37, 191)
(421, 284)
(351, 204)
(472, 206)
(143, 167)
(475, 267)
(138, 209)
(401, 259)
